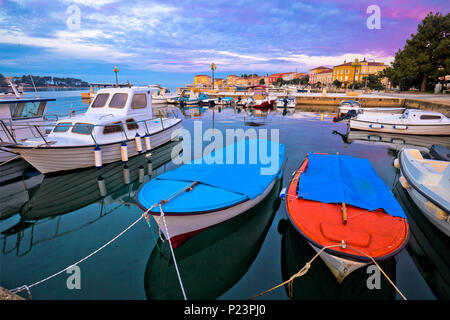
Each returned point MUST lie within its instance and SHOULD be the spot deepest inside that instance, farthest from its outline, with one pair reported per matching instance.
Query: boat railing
(158, 118)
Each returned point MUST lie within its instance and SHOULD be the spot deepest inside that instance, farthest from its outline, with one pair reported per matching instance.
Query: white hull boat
(118, 124)
(428, 184)
(345, 109)
(411, 121)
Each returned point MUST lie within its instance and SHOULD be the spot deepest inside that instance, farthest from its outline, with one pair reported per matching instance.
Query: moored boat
(411, 121)
(348, 105)
(118, 124)
(341, 206)
(428, 184)
(211, 191)
(285, 102)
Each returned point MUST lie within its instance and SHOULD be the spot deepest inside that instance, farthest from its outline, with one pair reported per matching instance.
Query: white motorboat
(163, 95)
(428, 184)
(348, 105)
(411, 121)
(285, 102)
(20, 118)
(118, 124)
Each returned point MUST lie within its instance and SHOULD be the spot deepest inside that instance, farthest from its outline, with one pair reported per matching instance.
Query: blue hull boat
(214, 188)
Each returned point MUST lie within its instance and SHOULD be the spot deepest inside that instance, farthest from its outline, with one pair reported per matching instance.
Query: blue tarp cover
(338, 178)
(236, 181)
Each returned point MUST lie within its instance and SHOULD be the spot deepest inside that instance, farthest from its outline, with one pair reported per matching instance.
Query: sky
(167, 42)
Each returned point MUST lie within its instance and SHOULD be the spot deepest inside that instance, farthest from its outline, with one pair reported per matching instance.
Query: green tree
(261, 81)
(425, 56)
(337, 83)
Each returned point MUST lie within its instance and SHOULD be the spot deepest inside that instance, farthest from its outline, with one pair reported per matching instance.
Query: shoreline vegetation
(44, 82)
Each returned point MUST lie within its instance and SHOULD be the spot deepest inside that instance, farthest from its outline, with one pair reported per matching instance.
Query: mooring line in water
(307, 266)
(28, 287)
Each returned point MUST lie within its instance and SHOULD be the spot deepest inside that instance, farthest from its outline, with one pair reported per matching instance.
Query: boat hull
(49, 159)
(182, 226)
(344, 110)
(433, 210)
(431, 129)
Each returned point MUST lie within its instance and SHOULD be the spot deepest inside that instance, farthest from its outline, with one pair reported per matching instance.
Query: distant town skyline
(168, 42)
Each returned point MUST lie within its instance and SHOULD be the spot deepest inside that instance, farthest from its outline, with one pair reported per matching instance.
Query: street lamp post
(213, 67)
(116, 70)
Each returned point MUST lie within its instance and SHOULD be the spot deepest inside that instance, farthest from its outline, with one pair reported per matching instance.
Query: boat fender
(124, 151)
(396, 163)
(283, 194)
(148, 146)
(438, 212)
(126, 174)
(400, 127)
(138, 141)
(141, 174)
(404, 183)
(98, 157)
(376, 126)
(101, 186)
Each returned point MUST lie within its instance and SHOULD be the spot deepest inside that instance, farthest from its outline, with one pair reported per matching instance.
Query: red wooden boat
(364, 233)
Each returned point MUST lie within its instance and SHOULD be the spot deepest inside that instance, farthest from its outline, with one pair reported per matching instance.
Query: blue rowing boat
(214, 188)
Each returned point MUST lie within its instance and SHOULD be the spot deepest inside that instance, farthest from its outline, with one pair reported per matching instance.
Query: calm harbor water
(48, 223)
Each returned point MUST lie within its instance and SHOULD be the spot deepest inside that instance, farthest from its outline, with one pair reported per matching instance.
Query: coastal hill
(44, 82)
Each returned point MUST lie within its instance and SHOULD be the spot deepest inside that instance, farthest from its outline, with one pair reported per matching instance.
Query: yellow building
(324, 77)
(202, 80)
(355, 71)
(218, 82)
(231, 80)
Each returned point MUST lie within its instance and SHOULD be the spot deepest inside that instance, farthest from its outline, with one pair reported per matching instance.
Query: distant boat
(411, 121)
(224, 100)
(348, 105)
(163, 95)
(211, 193)
(118, 124)
(286, 102)
(340, 201)
(428, 183)
(260, 102)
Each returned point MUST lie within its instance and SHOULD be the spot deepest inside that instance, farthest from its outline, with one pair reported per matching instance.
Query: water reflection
(319, 283)
(214, 260)
(56, 195)
(393, 141)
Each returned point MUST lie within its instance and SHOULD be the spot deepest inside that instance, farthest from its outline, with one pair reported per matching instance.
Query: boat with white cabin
(20, 118)
(286, 102)
(118, 124)
(348, 105)
(163, 95)
(427, 182)
(411, 121)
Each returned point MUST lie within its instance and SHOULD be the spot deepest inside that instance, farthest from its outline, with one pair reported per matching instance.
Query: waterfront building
(202, 80)
(355, 71)
(314, 72)
(231, 80)
(324, 77)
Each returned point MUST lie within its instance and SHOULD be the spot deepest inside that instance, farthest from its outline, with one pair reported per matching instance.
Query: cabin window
(62, 127)
(139, 101)
(82, 128)
(429, 117)
(118, 100)
(27, 109)
(113, 128)
(100, 100)
(131, 124)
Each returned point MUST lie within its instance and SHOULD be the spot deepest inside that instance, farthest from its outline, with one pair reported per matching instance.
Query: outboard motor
(212, 104)
(350, 114)
(285, 102)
